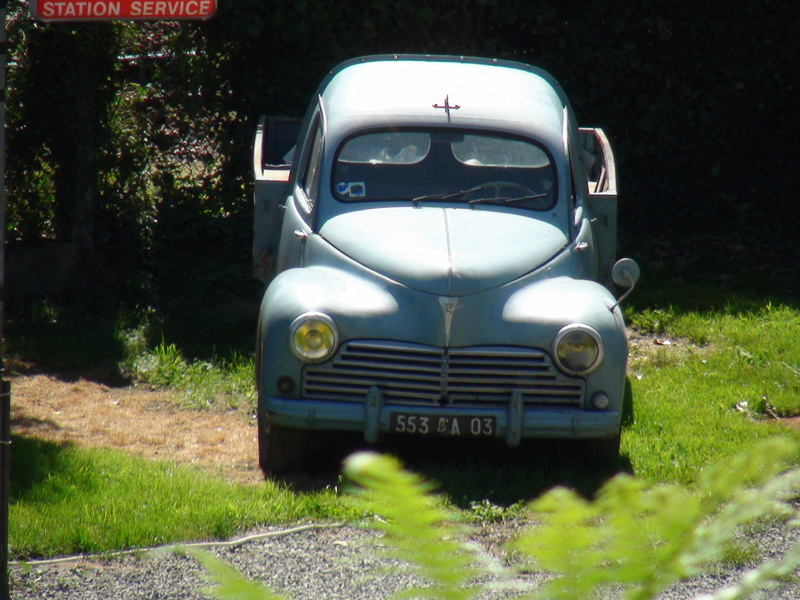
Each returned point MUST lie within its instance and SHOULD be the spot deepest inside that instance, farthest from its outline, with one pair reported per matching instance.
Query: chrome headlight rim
(580, 329)
(327, 324)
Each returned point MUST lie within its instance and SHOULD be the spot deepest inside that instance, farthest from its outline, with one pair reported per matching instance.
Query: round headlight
(313, 337)
(577, 349)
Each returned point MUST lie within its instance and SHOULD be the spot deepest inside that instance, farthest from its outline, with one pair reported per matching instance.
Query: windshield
(445, 166)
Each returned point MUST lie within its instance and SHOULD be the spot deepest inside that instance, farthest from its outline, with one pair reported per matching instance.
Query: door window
(310, 181)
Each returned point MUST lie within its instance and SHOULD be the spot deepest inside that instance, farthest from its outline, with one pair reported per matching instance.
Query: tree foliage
(60, 90)
(138, 135)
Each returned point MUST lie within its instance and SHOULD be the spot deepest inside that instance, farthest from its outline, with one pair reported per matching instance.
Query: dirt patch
(140, 420)
(645, 346)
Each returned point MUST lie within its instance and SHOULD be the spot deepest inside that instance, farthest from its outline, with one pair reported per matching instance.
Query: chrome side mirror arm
(625, 274)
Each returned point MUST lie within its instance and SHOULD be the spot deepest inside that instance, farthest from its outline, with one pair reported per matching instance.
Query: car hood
(445, 251)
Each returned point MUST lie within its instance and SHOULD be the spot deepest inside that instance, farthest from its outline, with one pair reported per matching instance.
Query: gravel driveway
(312, 563)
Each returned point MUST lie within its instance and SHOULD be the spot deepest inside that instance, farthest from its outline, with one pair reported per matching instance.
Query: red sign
(122, 10)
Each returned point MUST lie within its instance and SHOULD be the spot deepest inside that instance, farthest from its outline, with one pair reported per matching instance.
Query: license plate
(447, 425)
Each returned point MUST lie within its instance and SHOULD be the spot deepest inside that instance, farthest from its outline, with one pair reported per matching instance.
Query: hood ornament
(447, 107)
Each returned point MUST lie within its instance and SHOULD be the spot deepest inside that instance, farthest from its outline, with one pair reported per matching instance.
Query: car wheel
(280, 449)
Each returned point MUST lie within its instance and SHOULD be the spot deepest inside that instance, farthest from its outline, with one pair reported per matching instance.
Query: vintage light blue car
(439, 252)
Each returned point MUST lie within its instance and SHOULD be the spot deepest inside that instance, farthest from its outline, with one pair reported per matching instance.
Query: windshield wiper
(453, 195)
(508, 199)
(441, 197)
(448, 196)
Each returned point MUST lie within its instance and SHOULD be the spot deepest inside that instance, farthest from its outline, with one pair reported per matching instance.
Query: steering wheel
(501, 189)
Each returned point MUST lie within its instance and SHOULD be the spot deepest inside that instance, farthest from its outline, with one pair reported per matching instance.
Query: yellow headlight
(578, 349)
(313, 337)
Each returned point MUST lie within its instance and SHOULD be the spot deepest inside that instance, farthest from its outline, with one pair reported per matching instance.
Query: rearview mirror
(625, 272)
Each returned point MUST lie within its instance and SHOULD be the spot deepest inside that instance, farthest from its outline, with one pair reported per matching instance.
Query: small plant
(488, 512)
(652, 320)
(634, 537)
(200, 384)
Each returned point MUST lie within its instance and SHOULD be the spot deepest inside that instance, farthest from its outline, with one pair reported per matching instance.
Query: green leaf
(414, 524)
(646, 538)
(231, 585)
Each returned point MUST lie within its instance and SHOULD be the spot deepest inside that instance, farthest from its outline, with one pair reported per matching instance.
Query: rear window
(388, 148)
(456, 166)
(486, 151)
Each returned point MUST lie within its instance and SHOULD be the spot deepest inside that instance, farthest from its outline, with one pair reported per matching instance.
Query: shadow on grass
(473, 471)
(468, 472)
(35, 462)
(74, 336)
(63, 337)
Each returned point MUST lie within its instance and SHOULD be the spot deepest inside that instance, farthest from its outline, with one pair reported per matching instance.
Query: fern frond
(763, 577)
(648, 537)
(415, 525)
(230, 584)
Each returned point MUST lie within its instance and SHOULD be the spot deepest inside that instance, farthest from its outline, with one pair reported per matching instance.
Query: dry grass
(142, 421)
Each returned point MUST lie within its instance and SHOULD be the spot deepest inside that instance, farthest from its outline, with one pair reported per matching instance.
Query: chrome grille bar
(415, 374)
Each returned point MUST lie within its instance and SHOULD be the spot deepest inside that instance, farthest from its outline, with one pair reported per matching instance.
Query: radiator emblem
(449, 306)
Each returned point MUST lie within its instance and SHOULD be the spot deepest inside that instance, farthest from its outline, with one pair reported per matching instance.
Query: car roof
(405, 90)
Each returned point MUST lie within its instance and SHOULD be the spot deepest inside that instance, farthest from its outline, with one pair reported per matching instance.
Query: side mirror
(625, 272)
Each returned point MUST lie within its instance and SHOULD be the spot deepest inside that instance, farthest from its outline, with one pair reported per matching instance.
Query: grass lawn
(69, 499)
(714, 392)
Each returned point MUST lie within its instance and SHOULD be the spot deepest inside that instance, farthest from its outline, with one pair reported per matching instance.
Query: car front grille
(413, 374)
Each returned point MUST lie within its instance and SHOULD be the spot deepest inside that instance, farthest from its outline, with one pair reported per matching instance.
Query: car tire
(280, 449)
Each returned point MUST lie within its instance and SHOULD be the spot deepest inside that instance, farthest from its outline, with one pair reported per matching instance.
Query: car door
(301, 204)
(583, 242)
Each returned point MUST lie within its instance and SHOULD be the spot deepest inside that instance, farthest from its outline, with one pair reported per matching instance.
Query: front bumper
(515, 420)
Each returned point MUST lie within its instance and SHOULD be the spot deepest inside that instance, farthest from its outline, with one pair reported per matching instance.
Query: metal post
(5, 481)
(5, 386)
